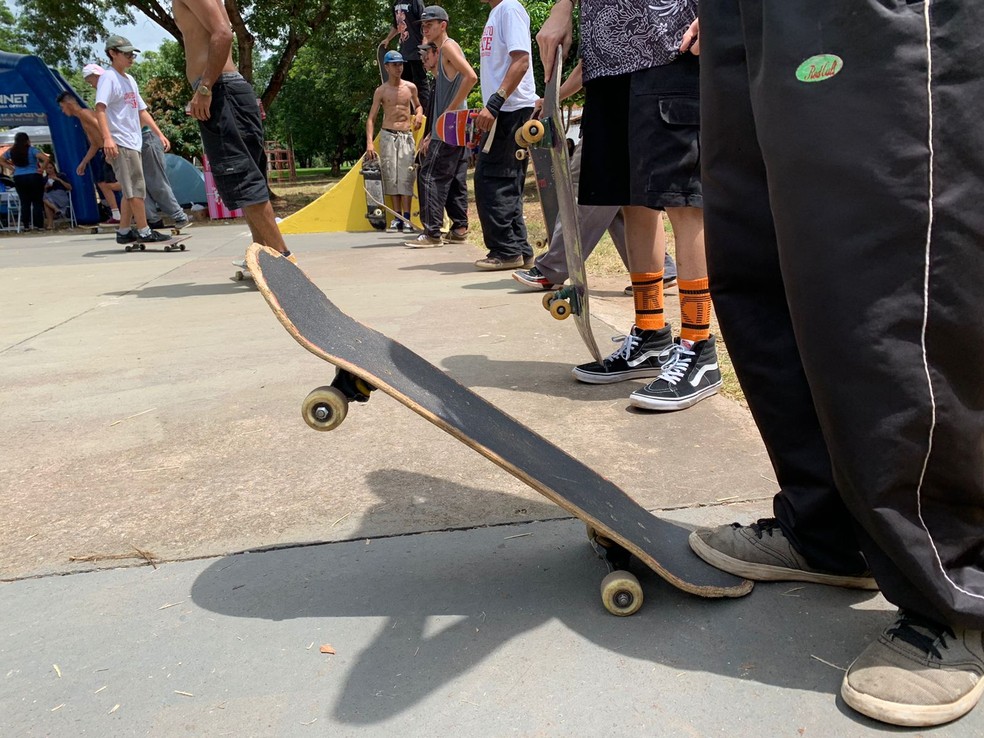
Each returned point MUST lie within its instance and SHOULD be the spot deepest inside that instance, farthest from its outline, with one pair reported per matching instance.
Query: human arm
(93, 150)
(212, 17)
(389, 37)
(418, 118)
(557, 30)
(148, 120)
(109, 145)
(456, 58)
(377, 99)
(518, 64)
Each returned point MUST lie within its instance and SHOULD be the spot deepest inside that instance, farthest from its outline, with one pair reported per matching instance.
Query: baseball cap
(427, 47)
(393, 57)
(89, 69)
(434, 12)
(119, 43)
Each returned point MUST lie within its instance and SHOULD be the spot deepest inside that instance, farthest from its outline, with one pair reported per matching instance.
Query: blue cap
(393, 57)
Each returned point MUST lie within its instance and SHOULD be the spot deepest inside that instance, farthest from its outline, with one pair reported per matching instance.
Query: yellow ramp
(343, 207)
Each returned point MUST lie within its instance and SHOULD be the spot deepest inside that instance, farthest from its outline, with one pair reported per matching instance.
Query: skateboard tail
(532, 458)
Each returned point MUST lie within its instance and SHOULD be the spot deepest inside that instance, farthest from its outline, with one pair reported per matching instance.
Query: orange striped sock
(695, 309)
(647, 290)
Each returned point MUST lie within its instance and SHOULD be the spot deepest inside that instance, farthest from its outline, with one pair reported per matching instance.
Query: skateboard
(372, 181)
(380, 53)
(175, 243)
(553, 178)
(242, 271)
(371, 199)
(457, 128)
(366, 360)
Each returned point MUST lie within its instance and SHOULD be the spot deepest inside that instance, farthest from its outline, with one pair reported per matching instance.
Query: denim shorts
(233, 142)
(641, 138)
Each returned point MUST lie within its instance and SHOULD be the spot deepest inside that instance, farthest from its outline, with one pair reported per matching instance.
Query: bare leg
(49, 215)
(263, 226)
(136, 205)
(644, 238)
(688, 230)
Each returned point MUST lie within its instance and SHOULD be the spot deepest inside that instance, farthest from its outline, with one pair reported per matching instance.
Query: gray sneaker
(918, 673)
(761, 552)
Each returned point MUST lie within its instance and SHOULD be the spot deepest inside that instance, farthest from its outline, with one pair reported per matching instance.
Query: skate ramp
(343, 207)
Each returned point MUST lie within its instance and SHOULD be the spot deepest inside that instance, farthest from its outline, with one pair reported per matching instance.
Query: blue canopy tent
(28, 89)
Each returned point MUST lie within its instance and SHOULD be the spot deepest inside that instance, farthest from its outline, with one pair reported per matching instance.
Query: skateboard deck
(175, 243)
(547, 190)
(457, 128)
(553, 175)
(380, 53)
(372, 181)
(366, 360)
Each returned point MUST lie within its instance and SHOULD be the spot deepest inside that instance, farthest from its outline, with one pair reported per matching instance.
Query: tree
(13, 37)
(283, 27)
(165, 89)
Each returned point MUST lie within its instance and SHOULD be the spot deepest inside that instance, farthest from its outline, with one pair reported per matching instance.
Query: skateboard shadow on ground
(540, 377)
(486, 589)
(188, 289)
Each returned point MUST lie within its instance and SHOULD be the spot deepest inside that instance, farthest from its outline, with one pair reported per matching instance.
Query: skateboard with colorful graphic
(556, 188)
(457, 128)
(365, 360)
(175, 243)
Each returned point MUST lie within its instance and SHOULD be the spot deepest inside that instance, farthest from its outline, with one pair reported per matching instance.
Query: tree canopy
(312, 62)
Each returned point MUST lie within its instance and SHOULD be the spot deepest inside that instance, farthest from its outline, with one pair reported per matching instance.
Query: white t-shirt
(119, 93)
(507, 29)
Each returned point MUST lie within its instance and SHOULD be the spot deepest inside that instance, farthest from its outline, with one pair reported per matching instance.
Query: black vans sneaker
(152, 237)
(688, 376)
(641, 355)
(126, 238)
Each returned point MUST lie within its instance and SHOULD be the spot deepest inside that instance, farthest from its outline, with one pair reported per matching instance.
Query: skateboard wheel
(377, 213)
(181, 247)
(621, 593)
(324, 408)
(141, 246)
(128, 249)
(547, 299)
(520, 141)
(521, 154)
(168, 248)
(532, 132)
(560, 309)
(240, 276)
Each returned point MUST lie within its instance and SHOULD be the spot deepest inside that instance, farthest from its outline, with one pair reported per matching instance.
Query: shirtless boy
(224, 104)
(101, 171)
(396, 144)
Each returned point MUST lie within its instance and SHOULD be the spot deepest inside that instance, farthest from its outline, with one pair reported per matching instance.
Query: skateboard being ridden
(366, 361)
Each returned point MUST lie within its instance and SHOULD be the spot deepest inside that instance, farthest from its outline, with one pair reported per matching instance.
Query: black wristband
(495, 103)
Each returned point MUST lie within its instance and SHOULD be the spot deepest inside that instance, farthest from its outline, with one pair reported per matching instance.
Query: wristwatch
(204, 91)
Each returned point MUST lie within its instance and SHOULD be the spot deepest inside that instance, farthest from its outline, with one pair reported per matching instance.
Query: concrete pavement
(151, 411)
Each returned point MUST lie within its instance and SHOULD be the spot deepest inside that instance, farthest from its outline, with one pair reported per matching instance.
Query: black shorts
(641, 138)
(102, 170)
(233, 142)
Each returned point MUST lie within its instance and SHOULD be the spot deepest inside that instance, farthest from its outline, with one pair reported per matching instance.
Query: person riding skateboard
(508, 96)
(228, 115)
(397, 149)
(121, 113)
(445, 167)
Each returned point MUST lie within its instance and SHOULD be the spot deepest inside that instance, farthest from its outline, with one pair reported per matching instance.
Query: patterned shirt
(623, 36)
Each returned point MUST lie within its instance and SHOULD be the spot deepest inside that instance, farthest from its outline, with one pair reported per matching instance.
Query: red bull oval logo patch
(819, 68)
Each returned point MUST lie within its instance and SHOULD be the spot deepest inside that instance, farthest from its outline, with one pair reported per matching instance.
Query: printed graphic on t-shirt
(623, 36)
(486, 45)
(406, 21)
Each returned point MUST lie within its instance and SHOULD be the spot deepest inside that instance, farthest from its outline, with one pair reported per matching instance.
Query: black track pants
(844, 216)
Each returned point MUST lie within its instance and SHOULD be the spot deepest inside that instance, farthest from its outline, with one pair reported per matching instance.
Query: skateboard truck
(562, 303)
(325, 408)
